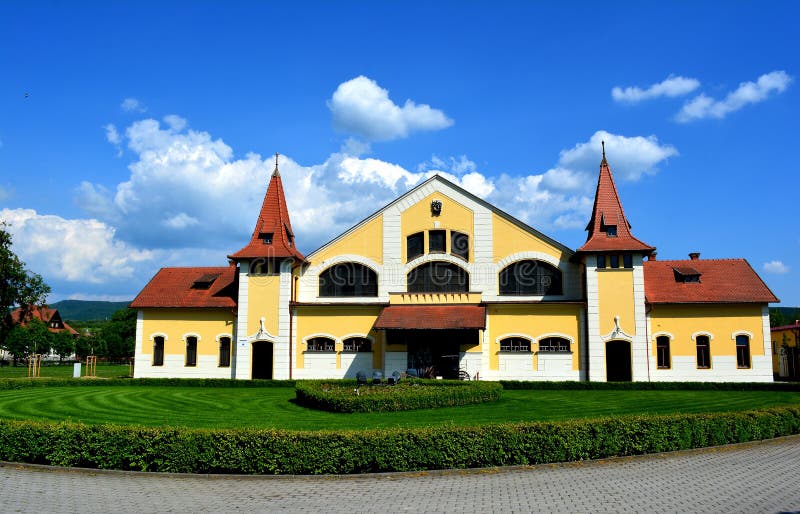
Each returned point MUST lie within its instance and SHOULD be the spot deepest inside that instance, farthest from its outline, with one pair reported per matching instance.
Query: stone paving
(752, 477)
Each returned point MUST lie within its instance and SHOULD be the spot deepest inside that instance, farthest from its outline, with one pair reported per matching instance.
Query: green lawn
(272, 407)
(65, 371)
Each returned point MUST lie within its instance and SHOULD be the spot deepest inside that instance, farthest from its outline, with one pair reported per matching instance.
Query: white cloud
(175, 122)
(112, 136)
(629, 157)
(5, 194)
(672, 86)
(180, 221)
(132, 105)
(75, 250)
(360, 106)
(703, 106)
(776, 267)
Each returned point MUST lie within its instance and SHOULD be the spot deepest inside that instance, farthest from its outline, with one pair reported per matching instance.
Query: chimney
(694, 256)
(652, 256)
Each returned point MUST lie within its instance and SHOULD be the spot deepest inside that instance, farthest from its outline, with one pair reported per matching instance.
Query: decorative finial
(603, 144)
(276, 173)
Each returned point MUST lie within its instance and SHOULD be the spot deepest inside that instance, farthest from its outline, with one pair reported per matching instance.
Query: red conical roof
(607, 212)
(273, 236)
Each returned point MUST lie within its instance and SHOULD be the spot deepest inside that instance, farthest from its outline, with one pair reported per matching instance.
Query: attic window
(205, 281)
(611, 230)
(686, 274)
(289, 235)
(266, 237)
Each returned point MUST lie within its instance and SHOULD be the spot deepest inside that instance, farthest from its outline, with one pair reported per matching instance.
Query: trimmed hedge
(288, 452)
(347, 396)
(654, 386)
(22, 383)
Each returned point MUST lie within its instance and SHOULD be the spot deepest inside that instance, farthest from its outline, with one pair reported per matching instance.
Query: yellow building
(441, 283)
(785, 351)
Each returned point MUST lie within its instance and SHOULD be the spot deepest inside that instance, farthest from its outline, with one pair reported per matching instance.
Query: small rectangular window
(191, 351)
(703, 352)
(614, 260)
(266, 237)
(415, 245)
(601, 261)
(459, 245)
(158, 351)
(515, 344)
(224, 352)
(627, 261)
(662, 350)
(320, 344)
(357, 344)
(437, 240)
(742, 352)
(611, 230)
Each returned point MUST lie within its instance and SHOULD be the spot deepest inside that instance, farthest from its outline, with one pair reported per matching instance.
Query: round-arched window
(438, 277)
(348, 279)
(530, 277)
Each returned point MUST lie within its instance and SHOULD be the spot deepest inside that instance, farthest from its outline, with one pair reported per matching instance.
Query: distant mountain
(82, 310)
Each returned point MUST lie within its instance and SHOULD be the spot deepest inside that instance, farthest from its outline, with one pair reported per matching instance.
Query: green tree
(63, 343)
(18, 286)
(776, 318)
(25, 340)
(119, 335)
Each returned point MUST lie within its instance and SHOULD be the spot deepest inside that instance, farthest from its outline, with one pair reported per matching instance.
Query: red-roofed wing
(174, 287)
(721, 281)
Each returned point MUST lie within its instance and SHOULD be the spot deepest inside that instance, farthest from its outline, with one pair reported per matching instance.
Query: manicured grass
(65, 371)
(223, 407)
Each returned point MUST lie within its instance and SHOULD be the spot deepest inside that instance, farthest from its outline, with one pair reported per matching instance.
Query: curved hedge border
(340, 395)
(288, 452)
(21, 383)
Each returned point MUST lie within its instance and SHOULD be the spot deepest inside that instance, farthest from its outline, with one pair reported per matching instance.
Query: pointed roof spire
(609, 229)
(273, 236)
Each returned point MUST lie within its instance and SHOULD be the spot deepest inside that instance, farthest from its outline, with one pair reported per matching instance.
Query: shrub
(288, 452)
(653, 386)
(347, 396)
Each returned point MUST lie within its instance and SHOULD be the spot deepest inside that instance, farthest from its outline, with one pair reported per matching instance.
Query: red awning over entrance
(432, 317)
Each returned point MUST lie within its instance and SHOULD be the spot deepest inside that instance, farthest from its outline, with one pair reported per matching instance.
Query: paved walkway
(753, 477)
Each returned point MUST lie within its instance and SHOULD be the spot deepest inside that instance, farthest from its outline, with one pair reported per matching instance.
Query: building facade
(444, 284)
(786, 351)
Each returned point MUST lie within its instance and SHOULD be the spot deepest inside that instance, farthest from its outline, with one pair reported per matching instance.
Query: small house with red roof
(441, 283)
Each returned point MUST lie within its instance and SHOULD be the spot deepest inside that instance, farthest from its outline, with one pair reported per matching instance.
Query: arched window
(529, 277)
(158, 351)
(191, 351)
(320, 344)
(438, 277)
(703, 352)
(742, 351)
(348, 279)
(515, 344)
(553, 344)
(459, 244)
(357, 344)
(662, 352)
(224, 352)
(415, 245)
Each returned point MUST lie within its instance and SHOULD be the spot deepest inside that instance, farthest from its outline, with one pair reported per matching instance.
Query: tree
(18, 286)
(25, 340)
(63, 343)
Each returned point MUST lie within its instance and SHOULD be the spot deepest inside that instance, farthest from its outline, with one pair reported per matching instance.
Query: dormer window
(266, 237)
(205, 281)
(611, 230)
(289, 235)
(686, 274)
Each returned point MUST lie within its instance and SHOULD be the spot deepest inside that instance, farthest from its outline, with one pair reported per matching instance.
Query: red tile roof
(437, 317)
(607, 211)
(796, 326)
(44, 314)
(273, 219)
(172, 287)
(721, 281)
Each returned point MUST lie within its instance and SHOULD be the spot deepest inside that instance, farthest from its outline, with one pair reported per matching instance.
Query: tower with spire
(613, 260)
(265, 267)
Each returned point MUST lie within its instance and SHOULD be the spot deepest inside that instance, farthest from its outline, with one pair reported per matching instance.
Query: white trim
(512, 334)
(741, 333)
(158, 334)
(617, 334)
(320, 334)
(191, 334)
(655, 336)
(220, 336)
(438, 257)
(531, 255)
(556, 334)
(702, 333)
(357, 334)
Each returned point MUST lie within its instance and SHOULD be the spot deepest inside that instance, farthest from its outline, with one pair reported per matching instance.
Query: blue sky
(136, 135)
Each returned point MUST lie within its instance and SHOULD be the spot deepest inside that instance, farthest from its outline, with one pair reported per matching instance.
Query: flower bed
(348, 396)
